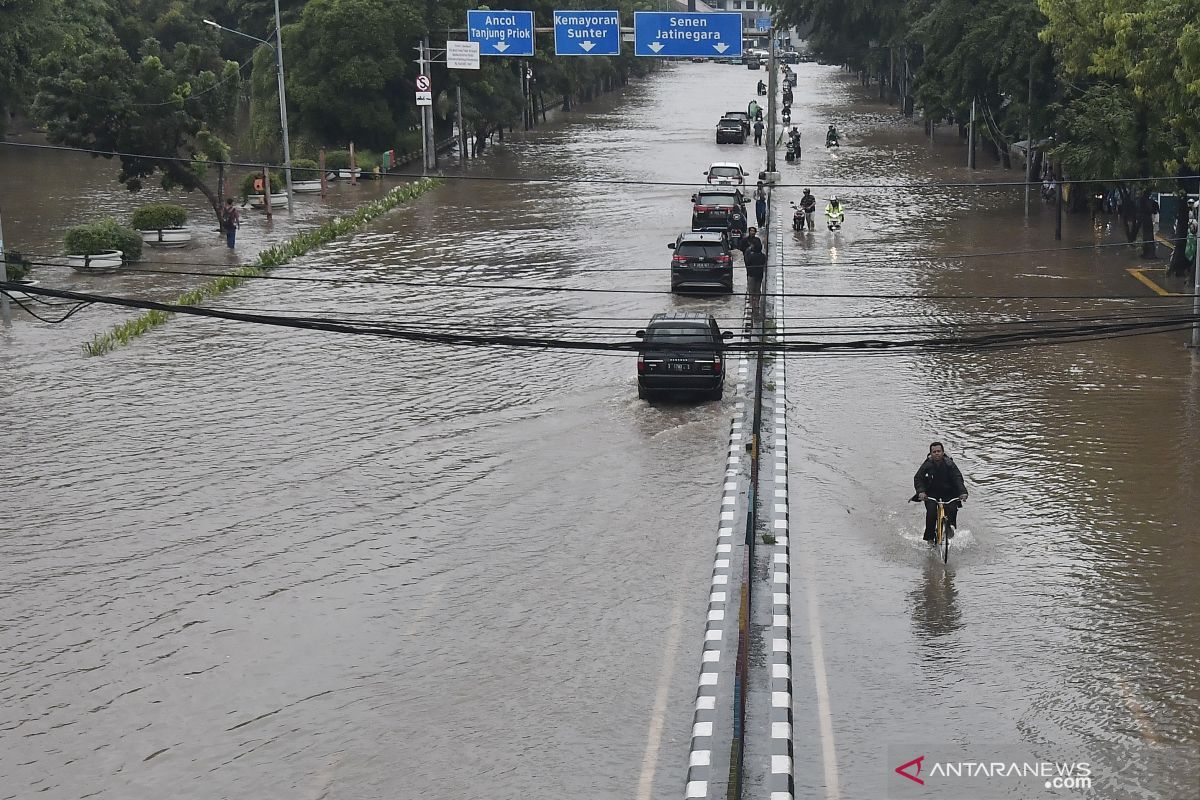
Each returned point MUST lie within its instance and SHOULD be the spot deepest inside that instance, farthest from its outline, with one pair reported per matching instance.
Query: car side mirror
(640, 334)
(726, 334)
(671, 245)
(694, 198)
(705, 172)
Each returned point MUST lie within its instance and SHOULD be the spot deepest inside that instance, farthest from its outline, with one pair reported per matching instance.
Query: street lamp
(278, 48)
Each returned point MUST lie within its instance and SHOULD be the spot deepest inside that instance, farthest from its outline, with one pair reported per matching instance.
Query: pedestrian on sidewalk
(231, 220)
(760, 204)
(758, 132)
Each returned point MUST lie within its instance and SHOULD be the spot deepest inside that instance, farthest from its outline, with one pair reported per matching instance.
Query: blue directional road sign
(587, 33)
(501, 33)
(665, 33)
(763, 23)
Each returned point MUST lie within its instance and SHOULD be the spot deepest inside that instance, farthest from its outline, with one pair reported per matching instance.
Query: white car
(726, 173)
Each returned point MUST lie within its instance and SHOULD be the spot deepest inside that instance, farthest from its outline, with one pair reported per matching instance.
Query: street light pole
(287, 150)
(278, 48)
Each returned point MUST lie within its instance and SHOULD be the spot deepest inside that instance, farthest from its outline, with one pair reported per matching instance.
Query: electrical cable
(607, 181)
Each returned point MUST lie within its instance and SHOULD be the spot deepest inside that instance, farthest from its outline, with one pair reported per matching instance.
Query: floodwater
(244, 560)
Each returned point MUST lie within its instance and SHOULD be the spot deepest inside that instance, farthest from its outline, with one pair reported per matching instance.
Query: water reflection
(934, 602)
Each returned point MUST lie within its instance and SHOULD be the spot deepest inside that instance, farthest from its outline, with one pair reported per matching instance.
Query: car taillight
(716, 365)
(723, 259)
(678, 259)
(641, 364)
(701, 209)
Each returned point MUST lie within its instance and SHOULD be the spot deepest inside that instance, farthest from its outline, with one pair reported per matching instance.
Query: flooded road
(257, 561)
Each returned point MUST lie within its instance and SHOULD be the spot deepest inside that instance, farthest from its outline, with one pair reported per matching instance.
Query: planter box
(167, 237)
(98, 264)
(306, 187)
(277, 200)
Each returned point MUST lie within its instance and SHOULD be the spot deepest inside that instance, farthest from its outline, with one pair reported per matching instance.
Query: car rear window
(664, 335)
(715, 200)
(729, 122)
(700, 249)
(725, 172)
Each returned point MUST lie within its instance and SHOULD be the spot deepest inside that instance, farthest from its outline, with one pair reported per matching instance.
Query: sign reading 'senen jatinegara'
(501, 33)
(665, 33)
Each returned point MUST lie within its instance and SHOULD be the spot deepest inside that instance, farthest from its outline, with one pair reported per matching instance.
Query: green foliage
(116, 87)
(305, 169)
(337, 159)
(17, 266)
(100, 237)
(158, 216)
(278, 184)
(268, 259)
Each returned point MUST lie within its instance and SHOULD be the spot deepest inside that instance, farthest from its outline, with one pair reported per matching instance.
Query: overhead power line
(546, 179)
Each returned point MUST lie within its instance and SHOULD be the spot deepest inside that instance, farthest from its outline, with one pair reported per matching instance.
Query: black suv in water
(730, 130)
(719, 208)
(682, 351)
(702, 260)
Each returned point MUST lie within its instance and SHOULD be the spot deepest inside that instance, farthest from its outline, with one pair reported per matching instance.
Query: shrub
(337, 159)
(277, 183)
(99, 237)
(17, 265)
(305, 169)
(366, 160)
(158, 216)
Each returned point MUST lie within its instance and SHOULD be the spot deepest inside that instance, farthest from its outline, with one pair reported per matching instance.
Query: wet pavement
(245, 560)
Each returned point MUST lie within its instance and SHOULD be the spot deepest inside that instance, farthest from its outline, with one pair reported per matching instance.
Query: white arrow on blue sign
(665, 33)
(501, 33)
(587, 33)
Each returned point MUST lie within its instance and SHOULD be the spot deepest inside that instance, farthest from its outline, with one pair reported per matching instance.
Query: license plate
(680, 367)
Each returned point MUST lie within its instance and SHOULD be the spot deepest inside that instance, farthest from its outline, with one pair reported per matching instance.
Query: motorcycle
(834, 220)
(802, 218)
(786, 116)
(792, 152)
(832, 141)
(762, 89)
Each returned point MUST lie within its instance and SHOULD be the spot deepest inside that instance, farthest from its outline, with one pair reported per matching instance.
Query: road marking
(1139, 273)
(658, 716)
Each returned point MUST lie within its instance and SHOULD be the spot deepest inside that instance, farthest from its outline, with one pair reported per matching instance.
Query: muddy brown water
(242, 560)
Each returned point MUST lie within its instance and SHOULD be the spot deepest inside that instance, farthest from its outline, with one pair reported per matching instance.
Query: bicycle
(941, 535)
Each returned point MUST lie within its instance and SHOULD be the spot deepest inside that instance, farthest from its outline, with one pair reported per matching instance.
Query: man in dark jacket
(939, 479)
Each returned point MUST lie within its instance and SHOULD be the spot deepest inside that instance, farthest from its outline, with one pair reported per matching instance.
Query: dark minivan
(719, 208)
(702, 260)
(682, 352)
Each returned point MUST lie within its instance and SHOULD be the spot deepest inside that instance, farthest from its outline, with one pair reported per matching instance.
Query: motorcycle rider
(832, 139)
(834, 214)
(762, 87)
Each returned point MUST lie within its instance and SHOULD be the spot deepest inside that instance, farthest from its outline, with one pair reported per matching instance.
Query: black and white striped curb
(700, 764)
(781, 782)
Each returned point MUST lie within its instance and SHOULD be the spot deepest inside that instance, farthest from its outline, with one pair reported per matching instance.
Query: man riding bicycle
(939, 479)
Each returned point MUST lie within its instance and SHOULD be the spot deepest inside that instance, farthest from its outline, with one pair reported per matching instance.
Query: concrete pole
(5, 308)
(431, 147)
(1195, 288)
(267, 190)
(353, 166)
(772, 86)
(462, 131)
(971, 138)
(283, 119)
(1029, 140)
(321, 167)
(424, 138)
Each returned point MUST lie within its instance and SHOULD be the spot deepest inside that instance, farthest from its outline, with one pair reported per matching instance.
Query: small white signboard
(462, 55)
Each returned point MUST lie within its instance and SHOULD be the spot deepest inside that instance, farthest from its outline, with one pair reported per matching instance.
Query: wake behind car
(702, 260)
(726, 173)
(684, 352)
(719, 208)
(730, 131)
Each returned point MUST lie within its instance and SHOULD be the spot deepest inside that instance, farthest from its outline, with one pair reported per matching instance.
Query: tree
(158, 110)
(24, 27)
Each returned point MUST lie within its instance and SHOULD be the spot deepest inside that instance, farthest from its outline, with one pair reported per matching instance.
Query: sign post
(587, 33)
(501, 33)
(668, 34)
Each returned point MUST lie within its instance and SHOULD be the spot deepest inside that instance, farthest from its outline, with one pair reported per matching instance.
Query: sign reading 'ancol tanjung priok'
(501, 33)
(666, 33)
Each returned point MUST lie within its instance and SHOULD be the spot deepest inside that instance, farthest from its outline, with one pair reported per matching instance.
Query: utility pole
(1195, 281)
(287, 150)
(772, 85)
(971, 138)
(1029, 140)
(428, 143)
(462, 131)
(5, 309)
